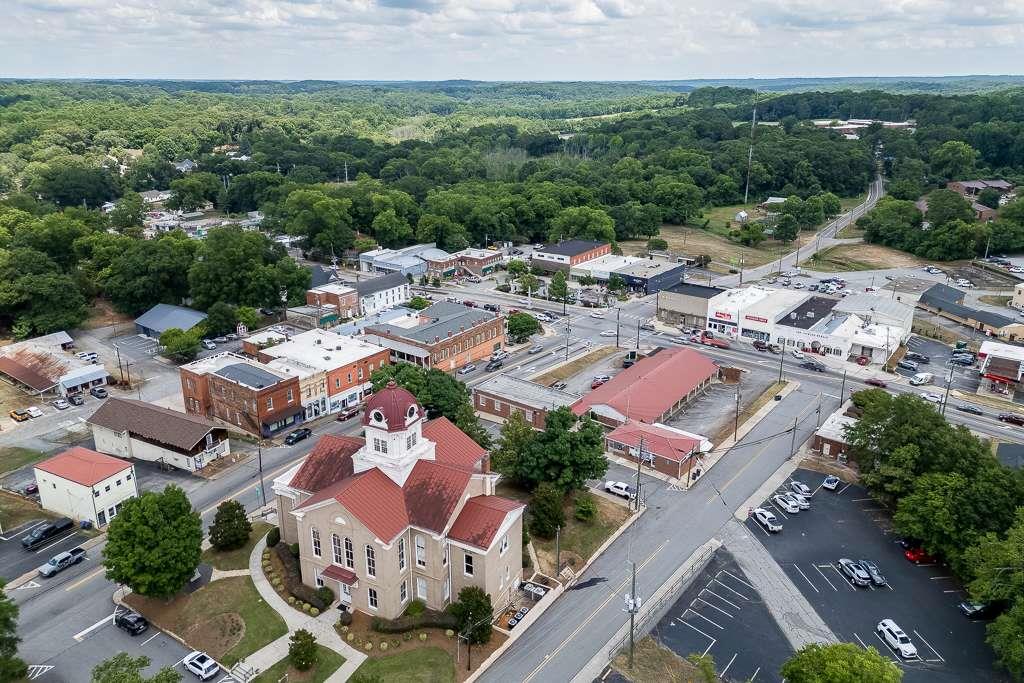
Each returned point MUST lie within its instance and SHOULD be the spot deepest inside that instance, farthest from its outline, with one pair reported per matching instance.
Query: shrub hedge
(293, 579)
(273, 537)
(428, 619)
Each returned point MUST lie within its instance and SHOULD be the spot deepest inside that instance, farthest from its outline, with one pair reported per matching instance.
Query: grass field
(655, 663)
(563, 372)
(15, 510)
(328, 661)
(237, 559)
(15, 457)
(422, 665)
(995, 299)
(851, 257)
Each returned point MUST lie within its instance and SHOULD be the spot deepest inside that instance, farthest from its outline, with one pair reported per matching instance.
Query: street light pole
(259, 460)
(949, 382)
(782, 357)
(618, 312)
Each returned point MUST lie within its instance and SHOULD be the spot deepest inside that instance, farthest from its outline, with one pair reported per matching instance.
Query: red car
(347, 413)
(876, 383)
(918, 556)
(863, 360)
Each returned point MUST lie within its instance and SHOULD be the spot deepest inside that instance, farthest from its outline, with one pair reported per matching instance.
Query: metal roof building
(163, 317)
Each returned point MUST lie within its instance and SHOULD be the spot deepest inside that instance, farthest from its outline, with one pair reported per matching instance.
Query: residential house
(381, 293)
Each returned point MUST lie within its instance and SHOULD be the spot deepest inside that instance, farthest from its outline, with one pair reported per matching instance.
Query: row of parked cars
(797, 498)
(23, 414)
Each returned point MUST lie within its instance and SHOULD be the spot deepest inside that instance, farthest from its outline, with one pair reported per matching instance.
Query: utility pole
(638, 334)
(558, 550)
(782, 357)
(736, 416)
(741, 270)
(567, 331)
(842, 388)
(259, 461)
(618, 312)
(945, 399)
(792, 445)
(632, 606)
(639, 459)
(119, 367)
(817, 419)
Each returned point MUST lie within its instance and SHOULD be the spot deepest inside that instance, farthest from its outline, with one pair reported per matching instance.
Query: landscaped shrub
(585, 507)
(291, 599)
(368, 647)
(350, 637)
(423, 636)
(428, 619)
(302, 650)
(294, 548)
(407, 637)
(273, 537)
(345, 618)
(450, 633)
(293, 579)
(325, 594)
(383, 645)
(415, 608)
(314, 612)
(395, 642)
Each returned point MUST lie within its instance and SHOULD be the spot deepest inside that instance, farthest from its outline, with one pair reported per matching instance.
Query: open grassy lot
(579, 540)
(328, 661)
(226, 618)
(15, 510)
(15, 457)
(421, 665)
(850, 257)
(655, 663)
(237, 559)
(563, 372)
(995, 299)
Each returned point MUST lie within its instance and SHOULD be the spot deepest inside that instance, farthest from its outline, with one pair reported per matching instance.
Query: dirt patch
(696, 241)
(102, 314)
(655, 663)
(219, 634)
(849, 257)
(567, 370)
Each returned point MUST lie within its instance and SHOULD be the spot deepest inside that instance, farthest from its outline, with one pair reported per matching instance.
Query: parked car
(266, 311)
(347, 413)
(494, 308)
(798, 354)
(768, 520)
(76, 399)
(34, 411)
(466, 369)
(30, 489)
(597, 314)
(620, 489)
(786, 503)
(681, 340)
(62, 561)
(232, 336)
(608, 333)
(1012, 418)
(932, 398)
(802, 502)
(19, 415)
(800, 487)
(61, 404)
(499, 355)
(131, 621)
(917, 555)
(963, 361)
(863, 360)
(220, 340)
(968, 408)
(874, 572)
(760, 345)
(628, 362)
(99, 392)
(895, 638)
(43, 533)
(857, 575)
(298, 435)
(919, 357)
(209, 345)
(812, 365)
(982, 611)
(831, 482)
(536, 348)
(907, 365)
(560, 386)
(493, 365)
(201, 665)
(875, 382)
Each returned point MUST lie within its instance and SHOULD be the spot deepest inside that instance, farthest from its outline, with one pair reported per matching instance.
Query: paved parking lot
(15, 560)
(722, 615)
(135, 346)
(965, 379)
(921, 599)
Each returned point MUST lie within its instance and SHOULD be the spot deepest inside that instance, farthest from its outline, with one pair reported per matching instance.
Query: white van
(922, 378)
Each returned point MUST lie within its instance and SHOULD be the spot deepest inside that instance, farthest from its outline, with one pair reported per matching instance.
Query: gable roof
(151, 422)
(27, 368)
(329, 462)
(379, 284)
(480, 519)
(83, 466)
(650, 388)
(377, 501)
(431, 493)
(658, 440)
(949, 300)
(163, 317)
(940, 293)
(452, 446)
(320, 276)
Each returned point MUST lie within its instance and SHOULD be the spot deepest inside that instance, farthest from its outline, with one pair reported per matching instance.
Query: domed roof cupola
(392, 409)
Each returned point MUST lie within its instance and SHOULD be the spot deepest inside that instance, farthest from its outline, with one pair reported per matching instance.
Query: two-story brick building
(477, 261)
(568, 253)
(241, 392)
(445, 336)
(501, 395)
(345, 299)
(407, 512)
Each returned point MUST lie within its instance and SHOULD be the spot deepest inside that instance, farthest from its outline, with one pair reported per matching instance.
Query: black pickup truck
(43, 533)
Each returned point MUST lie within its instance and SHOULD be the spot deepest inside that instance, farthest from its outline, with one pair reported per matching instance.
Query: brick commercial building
(243, 393)
(343, 298)
(668, 450)
(653, 390)
(686, 304)
(445, 336)
(406, 513)
(501, 395)
(477, 261)
(569, 253)
(970, 189)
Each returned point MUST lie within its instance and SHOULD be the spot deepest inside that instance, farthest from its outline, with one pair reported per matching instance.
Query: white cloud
(507, 39)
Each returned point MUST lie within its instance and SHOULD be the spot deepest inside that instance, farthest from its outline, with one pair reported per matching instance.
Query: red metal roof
(431, 493)
(83, 466)
(24, 374)
(661, 442)
(330, 461)
(377, 501)
(333, 571)
(453, 446)
(393, 402)
(650, 388)
(480, 519)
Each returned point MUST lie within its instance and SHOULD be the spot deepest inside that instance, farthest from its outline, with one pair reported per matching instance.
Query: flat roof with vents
(808, 314)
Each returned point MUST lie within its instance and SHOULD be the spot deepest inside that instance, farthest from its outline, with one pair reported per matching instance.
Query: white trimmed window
(403, 591)
(467, 566)
(421, 588)
(371, 597)
(316, 541)
(504, 545)
(421, 552)
(350, 554)
(401, 554)
(371, 561)
(336, 548)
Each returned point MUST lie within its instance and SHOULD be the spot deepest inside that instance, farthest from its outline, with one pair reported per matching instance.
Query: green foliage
(585, 509)
(231, 527)
(839, 663)
(153, 545)
(582, 222)
(325, 594)
(474, 612)
(194, 191)
(123, 668)
(128, 211)
(946, 206)
(786, 228)
(953, 159)
(1006, 637)
(989, 197)
(521, 326)
(143, 273)
(546, 510)
(417, 303)
(657, 244)
(415, 608)
(566, 454)
(324, 221)
(302, 652)
(248, 316)
(221, 318)
(517, 437)
(953, 234)
(180, 345)
(11, 667)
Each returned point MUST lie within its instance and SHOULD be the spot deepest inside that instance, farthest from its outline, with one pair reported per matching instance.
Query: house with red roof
(407, 512)
(85, 485)
(671, 451)
(653, 390)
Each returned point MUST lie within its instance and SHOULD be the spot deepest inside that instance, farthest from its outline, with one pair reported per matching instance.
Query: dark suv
(1012, 418)
(919, 357)
(132, 622)
(41, 534)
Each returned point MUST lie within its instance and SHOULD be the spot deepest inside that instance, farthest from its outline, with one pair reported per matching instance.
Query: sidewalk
(322, 627)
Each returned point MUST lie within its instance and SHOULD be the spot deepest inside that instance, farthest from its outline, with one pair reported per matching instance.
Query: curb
(29, 575)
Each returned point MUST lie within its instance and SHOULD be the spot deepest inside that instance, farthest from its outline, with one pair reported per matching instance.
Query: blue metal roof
(163, 317)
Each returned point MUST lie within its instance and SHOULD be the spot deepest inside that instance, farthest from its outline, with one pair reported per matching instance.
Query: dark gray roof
(379, 284)
(152, 422)
(1011, 455)
(949, 300)
(248, 375)
(320, 276)
(163, 317)
(699, 291)
(808, 314)
(445, 317)
(571, 247)
(941, 293)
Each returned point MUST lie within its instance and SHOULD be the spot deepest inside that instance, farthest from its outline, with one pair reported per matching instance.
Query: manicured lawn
(423, 665)
(237, 559)
(226, 618)
(15, 457)
(328, 661)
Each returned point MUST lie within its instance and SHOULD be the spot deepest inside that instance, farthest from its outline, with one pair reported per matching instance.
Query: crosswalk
(37, 670)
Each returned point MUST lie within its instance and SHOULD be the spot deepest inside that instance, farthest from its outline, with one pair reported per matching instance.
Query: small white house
(741, 217)
(85, 485)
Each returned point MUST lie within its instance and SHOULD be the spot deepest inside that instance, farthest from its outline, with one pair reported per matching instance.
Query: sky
(534, 40)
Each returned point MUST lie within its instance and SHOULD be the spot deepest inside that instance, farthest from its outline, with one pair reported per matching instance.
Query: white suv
(619, 489)
(895, 638)
(201, 665)
(766, 519)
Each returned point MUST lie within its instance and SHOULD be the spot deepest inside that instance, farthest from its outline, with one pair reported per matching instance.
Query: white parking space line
(846, 582)
(840, 491)
(806, 579)
(940, 659)
(143, 643)
(784, 516)
(708, 590)
(862, 644)
(825, 577)
(714, 607)
(80, 636)
(21, 530)
(736, 578)
(710, 645)
(722, 675)
(758, 525)
(858, 500)
(720, 628)
(754, 675)
(938, 578)
(727, 587)
(58, 541)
